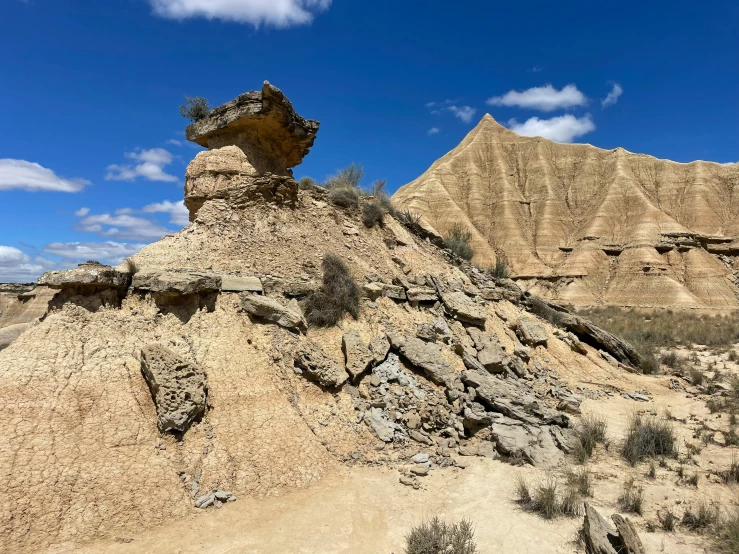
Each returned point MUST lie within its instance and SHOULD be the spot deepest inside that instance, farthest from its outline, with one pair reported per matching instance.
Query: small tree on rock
(195, 109)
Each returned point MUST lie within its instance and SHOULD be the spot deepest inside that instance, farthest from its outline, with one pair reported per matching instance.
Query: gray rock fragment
(356, 354)
(326, 372)
(271, 310)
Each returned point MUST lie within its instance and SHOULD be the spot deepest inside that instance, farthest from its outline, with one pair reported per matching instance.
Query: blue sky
(92, 153)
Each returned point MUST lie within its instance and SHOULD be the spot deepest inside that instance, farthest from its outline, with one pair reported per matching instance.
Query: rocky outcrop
(176, 283)
(586, 226)
(86, 275)
(309, 357)
(601, 537)
(252, 142)
(425, 356)
(271, 310)
(178, 387)
(461, 307)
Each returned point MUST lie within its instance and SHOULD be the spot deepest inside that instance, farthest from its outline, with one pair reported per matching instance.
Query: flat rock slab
(176, 283)
(97, 275)
(426, 356)
(422, 294)
(178, 387)
(463, 308)
(234, 283)
(532, 333)
(271, 310)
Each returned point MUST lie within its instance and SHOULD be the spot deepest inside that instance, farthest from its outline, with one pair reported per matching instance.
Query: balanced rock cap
(265, 119)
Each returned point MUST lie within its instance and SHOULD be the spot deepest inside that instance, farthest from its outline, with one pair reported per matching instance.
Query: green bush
(372, 214)
(648, 436)
(338, 295)
(458, 241)
(438, 537)
(195, 108)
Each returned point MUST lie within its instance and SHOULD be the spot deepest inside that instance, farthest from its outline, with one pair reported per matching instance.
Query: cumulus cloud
(32, 177)
(18, 267)
(559, 129)
(433, 131)
(148, 164)
(122, 226)
(82, 212)
(546, 98)
(109, 252)
(178, 213)
(276, 13)
(465, 113)
(174, 142)
(612, 96)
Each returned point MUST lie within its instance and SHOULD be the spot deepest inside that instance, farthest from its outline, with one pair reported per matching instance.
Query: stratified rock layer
(587, 226)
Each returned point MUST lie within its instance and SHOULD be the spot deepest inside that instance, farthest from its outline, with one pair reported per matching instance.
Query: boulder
(532, 333)
(426, 356)
(176, 283)
(271, 310)
(86, 275)
(236, 283)
(463, 308)
(320, 368)
(178, 387)
(356, 354)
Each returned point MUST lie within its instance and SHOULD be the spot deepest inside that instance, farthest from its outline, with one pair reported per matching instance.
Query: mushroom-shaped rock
(176, 283)
(271, 310)
(264, 124)
(326, 372)
(178, 387)
(86, 275)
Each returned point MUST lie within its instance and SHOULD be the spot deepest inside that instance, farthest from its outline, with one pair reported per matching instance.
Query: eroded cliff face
(588, 226)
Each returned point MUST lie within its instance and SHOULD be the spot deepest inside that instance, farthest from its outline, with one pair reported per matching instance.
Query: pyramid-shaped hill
(587, 226)
(187, 378)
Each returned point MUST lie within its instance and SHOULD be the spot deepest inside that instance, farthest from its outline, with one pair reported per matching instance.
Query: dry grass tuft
(458, 241)
(648, 436)
(436, 537)
(590, 432)
(339, 294)
(372, 214)
(632, 498)
(700, 517)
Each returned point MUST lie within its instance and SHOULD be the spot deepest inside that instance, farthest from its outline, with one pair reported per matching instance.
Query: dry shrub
(458, 241)
(132, 267)
(339, 294)
(632, 498)
(733, 356)
(349, 177)
(344, 197)
(695, 375)
(372, 214)
(549, 499)
(672, 360)
(500, 269)
(727, 534)
(580, 481)
(195, 108)
(700, 517)
(409, 218)
(438, 537)
(307, 183)
(648, 436)
(667, 521)
(590, 432)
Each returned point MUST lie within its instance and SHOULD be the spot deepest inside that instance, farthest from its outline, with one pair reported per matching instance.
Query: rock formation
(104, 427)
(586, 226)
(601, 537)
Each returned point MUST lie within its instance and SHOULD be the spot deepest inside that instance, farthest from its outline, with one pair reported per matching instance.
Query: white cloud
(82, 212)
(559, 129)
(109, 252)
(433, 131)
(178, 213)
(545, 98)
(465, 113)
(277, 13)
(32, 177)
(612, 96)
(123, 226)
(150, 166)
(16, 266)
(174, 142)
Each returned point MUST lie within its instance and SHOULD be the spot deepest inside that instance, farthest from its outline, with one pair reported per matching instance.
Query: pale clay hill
(187, 379)
(586, 226)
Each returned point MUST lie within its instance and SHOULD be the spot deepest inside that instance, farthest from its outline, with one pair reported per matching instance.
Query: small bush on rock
(438, 537)
(648, 437)
(458, 241)
(339, 294)
(195, 109)
(372, 214)
(344, 197)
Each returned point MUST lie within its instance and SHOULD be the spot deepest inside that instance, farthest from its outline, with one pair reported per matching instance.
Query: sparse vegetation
(307, 183)
(500, 269)
(693, 480)
(701, 517)
(632, 498)
(339, 294)
(727, 534)
(549, 499)
(590, 432)
(672, 360)
(580, 481)
(409, 218)
(438, 537)
(349, 177)
(458, 241)
(344, 197)
(667, 521)
(652, 473)
(731, 475)
(695, 376)
(195, 108)
(648, 436)
(733, 356)
(372, 214)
